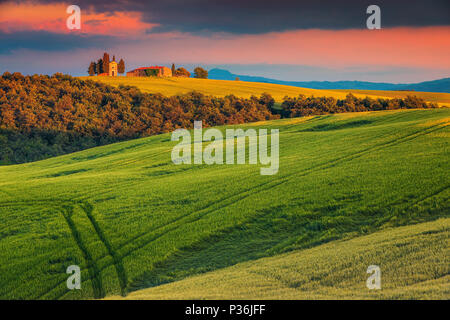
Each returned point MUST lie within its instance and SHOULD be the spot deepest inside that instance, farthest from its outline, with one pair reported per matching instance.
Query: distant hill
(441, 85)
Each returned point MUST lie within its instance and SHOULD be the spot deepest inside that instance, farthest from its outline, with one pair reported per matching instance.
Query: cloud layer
(51, 17)
(262, 16)
(327, 36)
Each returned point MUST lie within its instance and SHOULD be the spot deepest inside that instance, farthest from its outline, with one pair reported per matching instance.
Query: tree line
(43, 116)
(180, 72)
(199, 72)
(102, 65)
(305, 106)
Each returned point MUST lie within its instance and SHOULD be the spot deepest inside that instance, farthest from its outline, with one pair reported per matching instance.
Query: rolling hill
(440, 85)
(131, 219)
(220, 88)
(336, 270)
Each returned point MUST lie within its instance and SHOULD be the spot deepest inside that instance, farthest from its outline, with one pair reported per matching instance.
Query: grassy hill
(172, 86)
(437, 97)
(131, 219)
(219, 88)
(413, 260)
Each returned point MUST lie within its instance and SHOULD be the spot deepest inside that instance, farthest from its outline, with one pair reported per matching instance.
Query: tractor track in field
(118, 264)
(426, 197)
(211, 207)
(66, 208)
(94, 272)
(150, 236)
(244, 194)
(317, 118)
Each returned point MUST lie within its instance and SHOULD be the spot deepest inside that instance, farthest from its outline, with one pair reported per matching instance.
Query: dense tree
(99, 66)
(105, 62)
(121, 67)
(200, 73)
(304, 106)
(182, 72)
(91, 69)
(173, 69)
(43, 116)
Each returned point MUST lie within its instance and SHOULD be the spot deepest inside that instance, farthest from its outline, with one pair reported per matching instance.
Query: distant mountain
(441, 85)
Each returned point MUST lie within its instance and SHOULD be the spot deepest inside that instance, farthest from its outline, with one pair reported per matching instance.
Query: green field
(173, 86)
(131, 219)
(336, 270)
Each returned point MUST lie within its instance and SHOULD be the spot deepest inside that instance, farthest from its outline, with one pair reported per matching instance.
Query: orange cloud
(427, 47)
(31, 16)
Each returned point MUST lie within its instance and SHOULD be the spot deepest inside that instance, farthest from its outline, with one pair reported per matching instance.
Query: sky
(283, 39)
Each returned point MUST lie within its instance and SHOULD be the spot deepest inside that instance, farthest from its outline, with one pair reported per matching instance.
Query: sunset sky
(282, 39)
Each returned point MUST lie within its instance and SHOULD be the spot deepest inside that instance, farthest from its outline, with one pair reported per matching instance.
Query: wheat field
(131, 219)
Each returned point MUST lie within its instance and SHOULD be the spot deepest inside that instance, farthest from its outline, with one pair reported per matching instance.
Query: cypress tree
(121, 67)
(99, 66)
(106, 62)
(91, 69)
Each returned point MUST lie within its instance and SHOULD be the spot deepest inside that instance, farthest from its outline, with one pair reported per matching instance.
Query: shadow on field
(338, 125)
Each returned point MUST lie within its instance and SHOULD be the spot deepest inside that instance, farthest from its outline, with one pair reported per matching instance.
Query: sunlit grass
(414, 263)
(173, 86)
(132, 219)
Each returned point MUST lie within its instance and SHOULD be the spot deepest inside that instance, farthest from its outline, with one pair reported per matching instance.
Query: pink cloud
(427, 47)
(33, 16)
